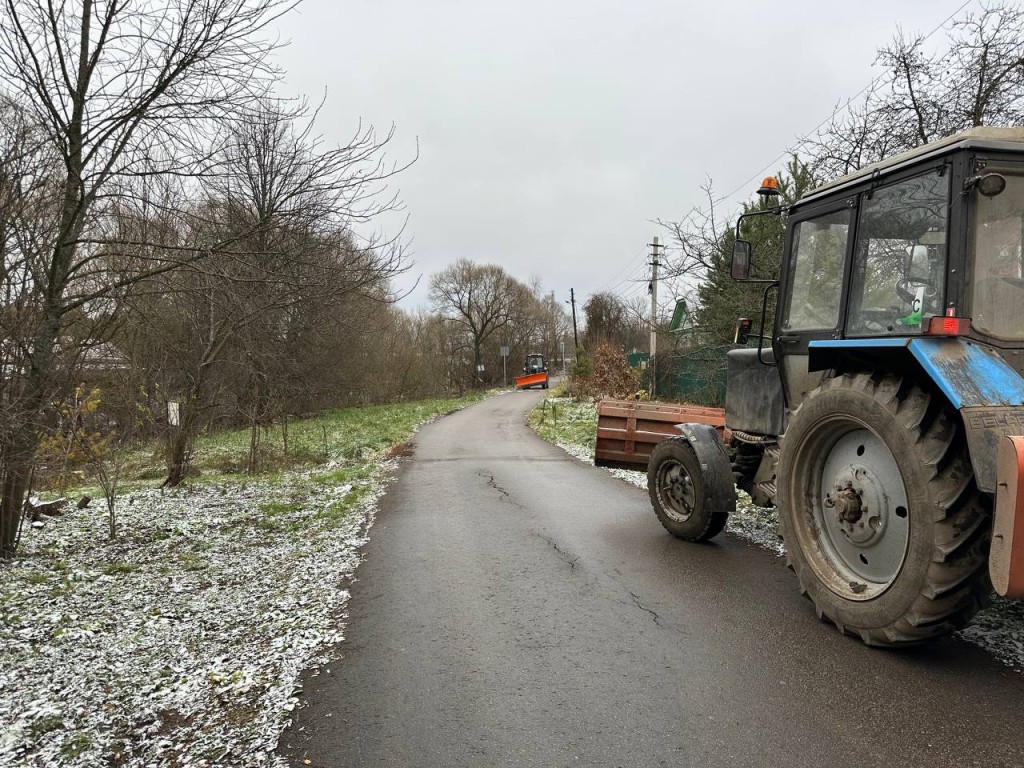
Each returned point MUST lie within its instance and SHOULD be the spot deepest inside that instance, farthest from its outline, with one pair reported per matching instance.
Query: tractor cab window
(818, 255)
(997, 300)
(900, 260)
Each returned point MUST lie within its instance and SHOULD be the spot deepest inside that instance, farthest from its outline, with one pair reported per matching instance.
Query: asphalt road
(519, 608)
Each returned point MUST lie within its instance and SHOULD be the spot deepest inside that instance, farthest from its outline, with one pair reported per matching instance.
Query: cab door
(818, 249)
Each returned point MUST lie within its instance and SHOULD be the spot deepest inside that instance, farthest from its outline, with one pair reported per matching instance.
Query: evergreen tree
(723, 300)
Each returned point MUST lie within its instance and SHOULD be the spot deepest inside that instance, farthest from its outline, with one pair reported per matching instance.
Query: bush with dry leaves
(608, 375)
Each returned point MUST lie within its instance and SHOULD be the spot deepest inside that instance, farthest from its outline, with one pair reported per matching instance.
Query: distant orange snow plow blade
(532, 380)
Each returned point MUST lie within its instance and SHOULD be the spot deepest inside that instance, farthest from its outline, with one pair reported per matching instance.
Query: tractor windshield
(997, 297)
(534, 364)
(900, 257)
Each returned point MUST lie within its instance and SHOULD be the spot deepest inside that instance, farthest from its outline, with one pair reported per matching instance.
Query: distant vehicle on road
(535, 372)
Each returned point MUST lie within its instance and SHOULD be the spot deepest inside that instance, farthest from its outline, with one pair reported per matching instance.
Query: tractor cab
(534, 364)
(880, 266)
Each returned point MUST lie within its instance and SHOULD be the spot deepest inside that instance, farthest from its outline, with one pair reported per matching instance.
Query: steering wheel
(905, 288)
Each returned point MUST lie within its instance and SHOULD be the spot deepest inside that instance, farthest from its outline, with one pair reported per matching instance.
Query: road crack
(492, 483)
(567, 556)
(642, 607)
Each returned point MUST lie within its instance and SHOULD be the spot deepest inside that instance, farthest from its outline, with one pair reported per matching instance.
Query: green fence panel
(697, 376)
(636, 358)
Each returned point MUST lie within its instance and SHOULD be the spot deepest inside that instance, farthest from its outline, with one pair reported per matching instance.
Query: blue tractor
(884, 415)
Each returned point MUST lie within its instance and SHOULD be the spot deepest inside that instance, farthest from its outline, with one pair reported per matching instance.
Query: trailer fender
(973, 378)
(1006, 558)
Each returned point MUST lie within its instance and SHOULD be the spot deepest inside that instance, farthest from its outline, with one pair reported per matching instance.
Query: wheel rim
(859, 525)
(675, 489)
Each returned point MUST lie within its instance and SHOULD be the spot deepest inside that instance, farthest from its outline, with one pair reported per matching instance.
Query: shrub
(607, 375)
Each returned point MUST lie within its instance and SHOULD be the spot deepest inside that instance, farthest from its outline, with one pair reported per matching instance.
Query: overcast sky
(552, 134)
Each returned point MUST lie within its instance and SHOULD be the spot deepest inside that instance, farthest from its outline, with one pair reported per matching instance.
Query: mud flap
(715, 465)
(1006, 559)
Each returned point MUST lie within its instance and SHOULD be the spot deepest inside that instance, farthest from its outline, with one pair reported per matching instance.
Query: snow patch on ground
(181, 642)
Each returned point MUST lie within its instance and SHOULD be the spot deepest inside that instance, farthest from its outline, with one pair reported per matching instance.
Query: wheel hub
(863, 513)
(677, 490)
(861, 503)
(847, 503)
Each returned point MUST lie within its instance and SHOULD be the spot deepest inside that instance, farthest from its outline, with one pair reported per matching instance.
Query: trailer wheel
(686, 500)
(882, 520)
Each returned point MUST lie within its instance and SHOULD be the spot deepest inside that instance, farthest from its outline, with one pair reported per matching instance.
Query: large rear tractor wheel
(688, 502)
(882, 521)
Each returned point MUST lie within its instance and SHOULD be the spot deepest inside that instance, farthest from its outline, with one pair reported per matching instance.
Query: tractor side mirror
(741, 260)
(742, 331)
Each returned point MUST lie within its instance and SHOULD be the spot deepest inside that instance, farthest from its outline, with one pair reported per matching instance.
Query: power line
(798, 146)
(636, 256)
(635, 277)
(637, 283)
(788, 151)
(638, 275)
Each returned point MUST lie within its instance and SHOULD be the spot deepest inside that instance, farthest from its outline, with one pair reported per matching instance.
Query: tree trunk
(15, 486)
(254, 443)
(179, 455)
(111, 496)
(19, 453)
(179, 448)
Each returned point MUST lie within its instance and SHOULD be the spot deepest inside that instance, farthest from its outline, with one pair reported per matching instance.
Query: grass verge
(345, 436)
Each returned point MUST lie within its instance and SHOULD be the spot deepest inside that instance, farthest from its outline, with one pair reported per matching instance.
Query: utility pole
(651, 364)
(575, 337)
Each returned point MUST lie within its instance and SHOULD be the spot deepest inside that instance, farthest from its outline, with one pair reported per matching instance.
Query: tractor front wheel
(686, 501)
(882, 520)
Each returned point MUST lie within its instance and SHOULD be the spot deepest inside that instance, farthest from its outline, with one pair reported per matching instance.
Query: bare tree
(298, 201)
(553, 324)
(976, 78)
(609, 321)
(480, 300)
(702, 252)
(121, 93)
(262, 325)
